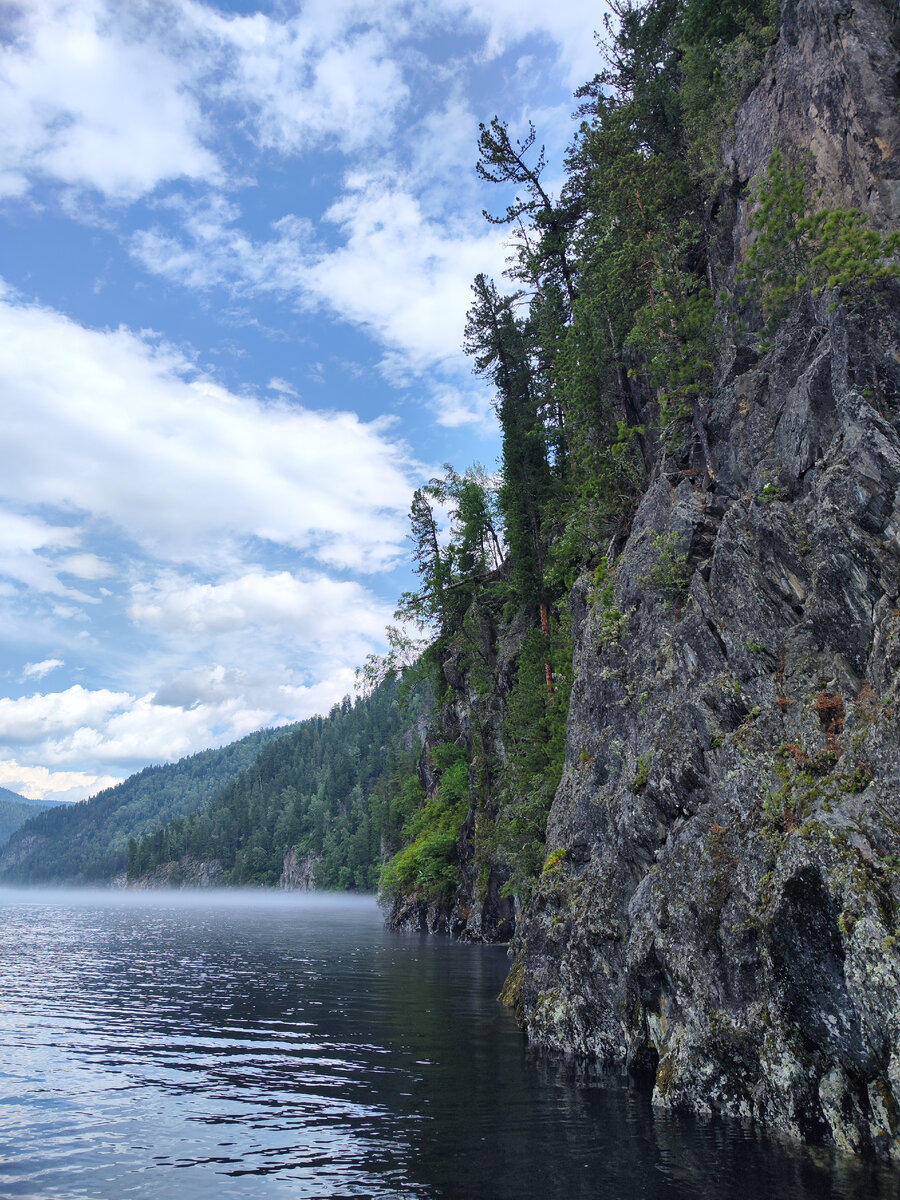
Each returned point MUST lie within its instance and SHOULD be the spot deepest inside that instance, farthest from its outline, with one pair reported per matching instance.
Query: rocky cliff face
(471, 716)
(298, 871)
(724, 907)
(185, 873)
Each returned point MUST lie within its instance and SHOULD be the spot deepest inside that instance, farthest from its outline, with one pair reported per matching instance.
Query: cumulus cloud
(570, 26)
(141, 731)
(123, 98)
(28, 548)
(117, 427)
(98, 731)
(403, 276)
(312, 611)
(84, 566)
(34, 718)
(210, 250)
(115, 431)
(40, 783)
(87, 105)
(327, 73)
(118, 98)
(463, 406)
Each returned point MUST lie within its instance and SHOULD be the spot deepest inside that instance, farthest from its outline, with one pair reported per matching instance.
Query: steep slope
(88, 842)
(722, 904)
(15, 810)
(314, 808)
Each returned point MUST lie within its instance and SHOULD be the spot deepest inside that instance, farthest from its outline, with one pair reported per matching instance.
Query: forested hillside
(88, 842)
(15, 810)
(330, 797)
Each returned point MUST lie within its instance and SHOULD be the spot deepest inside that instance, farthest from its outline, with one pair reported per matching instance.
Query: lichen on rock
(727, 911)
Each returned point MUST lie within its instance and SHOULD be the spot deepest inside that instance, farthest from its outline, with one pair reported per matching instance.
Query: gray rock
(298, 874)
(726, 914)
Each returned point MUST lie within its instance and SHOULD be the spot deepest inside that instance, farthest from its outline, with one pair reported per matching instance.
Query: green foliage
(723, 47)
(671, 572)
(451, 562)
(534, 735)
(88, 842)
(752, 646)
(404, 654)
(615, 315)
(426, 870)
(795, 249)
(427, 867)
(335, 789)
(554, 861)
(674, 335)
(642, 774)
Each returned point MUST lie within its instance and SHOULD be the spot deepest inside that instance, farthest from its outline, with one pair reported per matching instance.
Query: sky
(236, 249)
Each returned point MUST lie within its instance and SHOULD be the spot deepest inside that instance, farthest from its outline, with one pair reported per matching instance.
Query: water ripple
(281, 1047)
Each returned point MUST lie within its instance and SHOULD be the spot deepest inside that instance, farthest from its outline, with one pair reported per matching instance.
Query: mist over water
(214, 899)
(262, 1044)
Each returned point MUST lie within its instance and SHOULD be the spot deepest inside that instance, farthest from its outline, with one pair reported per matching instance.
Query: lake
(265, 1045)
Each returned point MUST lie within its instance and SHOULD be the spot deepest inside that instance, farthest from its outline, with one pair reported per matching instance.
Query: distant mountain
(320, 807)
(15, 798)
(15, 810)
(88, 842)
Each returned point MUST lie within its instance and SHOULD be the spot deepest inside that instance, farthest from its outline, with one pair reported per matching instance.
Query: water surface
(261, 1045)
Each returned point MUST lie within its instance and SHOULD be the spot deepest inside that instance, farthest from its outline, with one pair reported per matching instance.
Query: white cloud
(84, 566)
(39, 669)
(40, 783)
(84, 103)
(281, 386)
(121, 98)
(571, 25)
(326, 74)
(144, 731)
(100, 730)
(312, 612)
(401, 275)
(112, 426)
(115, 728)
(457, 407)
(28, 546)
(117, 98)
(212, 251)
(404, 277)
(33, 718)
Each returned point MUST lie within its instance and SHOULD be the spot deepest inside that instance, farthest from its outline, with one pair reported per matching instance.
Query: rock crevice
(725, 913)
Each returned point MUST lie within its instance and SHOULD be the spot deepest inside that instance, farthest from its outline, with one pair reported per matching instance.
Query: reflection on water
(264, 1045)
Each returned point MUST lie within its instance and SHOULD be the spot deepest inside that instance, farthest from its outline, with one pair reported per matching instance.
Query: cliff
(721, 907)
(478, 673)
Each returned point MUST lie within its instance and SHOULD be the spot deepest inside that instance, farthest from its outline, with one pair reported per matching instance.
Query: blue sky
(237, 246)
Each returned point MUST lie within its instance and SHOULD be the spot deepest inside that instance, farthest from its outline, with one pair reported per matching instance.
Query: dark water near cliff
(266, 1046)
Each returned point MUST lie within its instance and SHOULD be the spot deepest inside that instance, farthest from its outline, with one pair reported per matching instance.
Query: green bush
(427, 869)
(829, 250)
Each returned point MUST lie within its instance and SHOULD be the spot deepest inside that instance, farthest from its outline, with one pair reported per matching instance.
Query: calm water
(266, 1046)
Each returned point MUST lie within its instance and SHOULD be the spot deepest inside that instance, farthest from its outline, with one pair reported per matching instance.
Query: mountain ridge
(87, 842)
